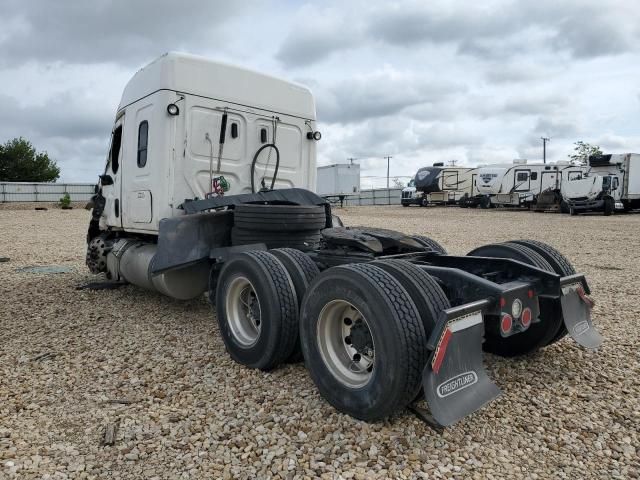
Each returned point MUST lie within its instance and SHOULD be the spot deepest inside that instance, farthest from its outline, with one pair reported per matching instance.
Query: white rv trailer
(612, 183)
(520, 183)
(439, 185)
(186, 152)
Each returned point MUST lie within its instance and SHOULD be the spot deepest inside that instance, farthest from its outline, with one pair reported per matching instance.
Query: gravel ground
(73, 362)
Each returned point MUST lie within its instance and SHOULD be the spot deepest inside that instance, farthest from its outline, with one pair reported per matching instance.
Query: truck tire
(303, 240)
(356, 310)
(423, 289)
(564, 207)
(609, 206)
(485, 202)
(257, 310)
(538, 334)
(302, 271)
(405, 204)
(424, 202)
(429, 243)
(573, 212)
(560, 264)
(279, 218)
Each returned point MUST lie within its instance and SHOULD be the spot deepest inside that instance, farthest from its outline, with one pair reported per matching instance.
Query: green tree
(19, 162)
(582, 150)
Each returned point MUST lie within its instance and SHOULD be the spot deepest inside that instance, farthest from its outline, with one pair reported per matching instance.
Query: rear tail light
(526, 318)
(506, 324)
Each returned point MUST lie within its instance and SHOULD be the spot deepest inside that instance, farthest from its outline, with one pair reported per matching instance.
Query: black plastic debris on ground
(48, 269)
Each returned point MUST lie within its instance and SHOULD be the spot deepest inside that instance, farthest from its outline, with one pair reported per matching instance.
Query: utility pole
(388, 157)
(544, 148)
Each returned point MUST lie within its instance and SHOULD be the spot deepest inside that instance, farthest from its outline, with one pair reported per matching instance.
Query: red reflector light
(526, 317)
(503, 302)
(506, 323)
(530, 293)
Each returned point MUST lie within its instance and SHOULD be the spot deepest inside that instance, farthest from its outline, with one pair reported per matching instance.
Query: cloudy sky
(423, 81)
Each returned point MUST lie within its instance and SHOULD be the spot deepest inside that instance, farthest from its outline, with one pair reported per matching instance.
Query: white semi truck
(611, 183)
(206, 190)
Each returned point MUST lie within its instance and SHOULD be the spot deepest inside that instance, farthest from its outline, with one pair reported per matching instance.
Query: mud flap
(576, 311)
(454, 380)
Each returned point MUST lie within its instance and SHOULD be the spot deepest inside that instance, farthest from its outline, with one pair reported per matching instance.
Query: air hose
(253, 166)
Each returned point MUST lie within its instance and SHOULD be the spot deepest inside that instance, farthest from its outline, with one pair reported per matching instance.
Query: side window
(615, 183)
(114, 154)
(143, 137)
(522, 177)
(534, 175)
(575, 176)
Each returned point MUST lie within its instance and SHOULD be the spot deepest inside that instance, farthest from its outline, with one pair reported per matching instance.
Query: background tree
(397, 183)
(19, 162)
(582, 150)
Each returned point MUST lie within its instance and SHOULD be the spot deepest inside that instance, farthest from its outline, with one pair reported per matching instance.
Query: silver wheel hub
(346, 344)
(243, 311)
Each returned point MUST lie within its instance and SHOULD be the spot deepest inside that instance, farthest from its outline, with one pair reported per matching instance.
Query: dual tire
(551, 327)
(363, 328)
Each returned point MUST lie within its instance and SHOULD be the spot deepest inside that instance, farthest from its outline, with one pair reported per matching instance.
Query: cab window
(114, 153)
(143, 136)
(522, 176)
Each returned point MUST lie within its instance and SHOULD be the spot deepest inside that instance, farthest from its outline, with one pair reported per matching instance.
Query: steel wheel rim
(350, 366)
(243, 311)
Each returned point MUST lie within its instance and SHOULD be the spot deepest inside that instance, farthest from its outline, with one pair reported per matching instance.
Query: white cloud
(422, 81)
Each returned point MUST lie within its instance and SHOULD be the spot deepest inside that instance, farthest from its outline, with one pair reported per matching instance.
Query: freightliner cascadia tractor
(206, 191)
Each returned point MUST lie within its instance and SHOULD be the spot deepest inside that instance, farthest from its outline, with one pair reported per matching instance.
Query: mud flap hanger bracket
(454, 380)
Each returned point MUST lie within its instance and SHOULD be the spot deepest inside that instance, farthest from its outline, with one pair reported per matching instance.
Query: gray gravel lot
(73, 362)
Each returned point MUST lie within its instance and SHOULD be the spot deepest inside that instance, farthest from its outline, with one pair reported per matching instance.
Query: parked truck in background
(205, 190)
(612, 183)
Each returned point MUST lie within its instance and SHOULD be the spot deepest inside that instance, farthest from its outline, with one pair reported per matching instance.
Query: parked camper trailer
(439, 185)
(520, 183)
(612, 183)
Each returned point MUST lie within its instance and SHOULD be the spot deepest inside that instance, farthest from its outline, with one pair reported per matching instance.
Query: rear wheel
(424, 290)
(363, 341)
(485, 202)
(429, 243)
(302, 271)
(573, 212)
(562, 266)
(538, 334)
(609, 206)
(257, 310)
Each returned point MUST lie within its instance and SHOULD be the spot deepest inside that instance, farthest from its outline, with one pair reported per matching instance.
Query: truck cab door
(111, 181)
